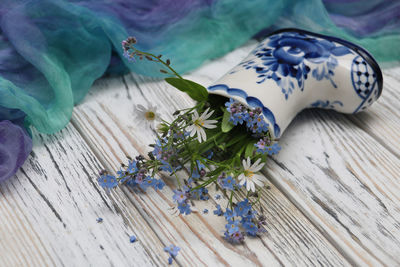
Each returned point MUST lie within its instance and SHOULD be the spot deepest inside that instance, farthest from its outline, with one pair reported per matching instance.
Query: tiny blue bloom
(243, 208)
(200, 193)
(205, 211)
(229, 104)
(172, 250)
(250, 228)
(218, 211)
(132, 167)
(159, 184)
(274, 149)
(107, 181)
(99, 220)
(123, 175)
(147, 182)
(234, 237)
(184, 208)
(204, 194)
(257, 119)
(228, 183)
(239, 118)
(229, 214)
(217, 197)
(263, 127)
(232, 226)
(179, 196)
(132, 239)
(261, 146)
(170, 260)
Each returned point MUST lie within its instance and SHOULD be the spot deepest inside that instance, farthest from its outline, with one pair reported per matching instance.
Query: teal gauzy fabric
(51, 51)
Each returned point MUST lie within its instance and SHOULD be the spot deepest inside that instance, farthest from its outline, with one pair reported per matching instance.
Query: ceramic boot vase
(292, 70)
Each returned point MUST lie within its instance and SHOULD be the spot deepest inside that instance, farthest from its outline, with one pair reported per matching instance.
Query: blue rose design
(285, 59)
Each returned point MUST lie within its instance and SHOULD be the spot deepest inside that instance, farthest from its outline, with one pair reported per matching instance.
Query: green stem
(159, 60)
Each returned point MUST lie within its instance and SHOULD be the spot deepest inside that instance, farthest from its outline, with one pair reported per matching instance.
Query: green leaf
(194, 90)
(239, 137)
(216, 171)
(226, 125)
(249, 150)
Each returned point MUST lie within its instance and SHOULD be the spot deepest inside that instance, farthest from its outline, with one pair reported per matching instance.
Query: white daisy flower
(147, 116)
(199, 123)
(249, 175)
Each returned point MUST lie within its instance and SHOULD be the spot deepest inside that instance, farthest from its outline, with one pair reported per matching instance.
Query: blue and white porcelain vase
(293, 70)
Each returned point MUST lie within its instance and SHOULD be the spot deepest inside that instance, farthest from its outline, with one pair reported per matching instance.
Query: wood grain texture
(106, 120)
(49, 209)
(343, 172)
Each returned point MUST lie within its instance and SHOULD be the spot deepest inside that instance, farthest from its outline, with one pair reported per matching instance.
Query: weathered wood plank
(382, 120)
(49, 209)
(342, 171)
(106, 121)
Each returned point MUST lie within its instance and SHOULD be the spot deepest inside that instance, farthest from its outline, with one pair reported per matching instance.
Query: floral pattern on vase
(326, 104)
(292, 70)
(289, 58)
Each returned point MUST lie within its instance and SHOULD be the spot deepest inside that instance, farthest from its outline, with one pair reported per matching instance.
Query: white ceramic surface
(292, 70)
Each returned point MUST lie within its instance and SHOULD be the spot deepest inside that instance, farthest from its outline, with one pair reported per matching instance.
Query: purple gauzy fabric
(365, 18)
(15, 145)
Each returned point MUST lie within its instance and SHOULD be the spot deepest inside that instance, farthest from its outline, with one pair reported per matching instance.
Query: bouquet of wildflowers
(218, 142)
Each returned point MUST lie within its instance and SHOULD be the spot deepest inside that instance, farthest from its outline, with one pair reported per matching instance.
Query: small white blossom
(199, 123)
(147, 116)
(249, 175)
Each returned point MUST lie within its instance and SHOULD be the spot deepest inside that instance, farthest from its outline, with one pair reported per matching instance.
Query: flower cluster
(193, 143)
(216, 142)
(263, 146)
(241, 220)
(254, 120)
(135, 174)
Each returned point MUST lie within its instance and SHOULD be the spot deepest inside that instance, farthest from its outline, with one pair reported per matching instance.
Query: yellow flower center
(248, 173)
(199, 122)
(150, 115)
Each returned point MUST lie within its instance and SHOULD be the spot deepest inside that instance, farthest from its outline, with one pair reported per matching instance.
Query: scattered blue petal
(172, 250)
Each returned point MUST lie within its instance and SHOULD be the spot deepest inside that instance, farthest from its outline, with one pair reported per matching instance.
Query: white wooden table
(334, 196)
